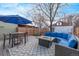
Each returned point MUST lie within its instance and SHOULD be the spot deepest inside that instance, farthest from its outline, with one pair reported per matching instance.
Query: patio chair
(6, 37)
(16, 39)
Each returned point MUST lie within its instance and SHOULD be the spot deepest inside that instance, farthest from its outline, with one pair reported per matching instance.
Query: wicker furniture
(46, 41)
(65, 39)
(65, 51)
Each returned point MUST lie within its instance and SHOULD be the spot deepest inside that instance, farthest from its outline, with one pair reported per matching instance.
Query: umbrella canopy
(15, 19)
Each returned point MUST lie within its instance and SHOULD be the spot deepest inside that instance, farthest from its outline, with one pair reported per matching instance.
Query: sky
(72, 9)
(23, 8)
(14, 8)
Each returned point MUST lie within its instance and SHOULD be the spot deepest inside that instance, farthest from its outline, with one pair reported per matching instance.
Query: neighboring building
(63, 22)
(68, 23)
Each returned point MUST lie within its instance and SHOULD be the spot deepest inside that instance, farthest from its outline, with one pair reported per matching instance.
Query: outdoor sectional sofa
(65, 44)
(64, 39)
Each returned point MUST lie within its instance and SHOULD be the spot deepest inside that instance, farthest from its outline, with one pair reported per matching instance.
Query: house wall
(6, 28)
(64, 29)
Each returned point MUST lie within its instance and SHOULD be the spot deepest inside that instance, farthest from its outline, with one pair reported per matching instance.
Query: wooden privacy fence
(32, 30)
(76, 32)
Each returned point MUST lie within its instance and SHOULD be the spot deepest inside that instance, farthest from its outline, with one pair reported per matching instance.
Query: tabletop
(47, 38)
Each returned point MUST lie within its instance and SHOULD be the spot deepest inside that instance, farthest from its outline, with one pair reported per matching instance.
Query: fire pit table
(46, 41)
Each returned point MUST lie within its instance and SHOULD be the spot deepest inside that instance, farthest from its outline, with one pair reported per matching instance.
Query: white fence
(64, 29)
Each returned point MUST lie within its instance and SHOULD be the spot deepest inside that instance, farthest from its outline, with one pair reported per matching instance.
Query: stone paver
(31, 48)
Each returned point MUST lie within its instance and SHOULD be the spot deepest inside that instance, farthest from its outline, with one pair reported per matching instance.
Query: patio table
(46, 41)
(13, 36)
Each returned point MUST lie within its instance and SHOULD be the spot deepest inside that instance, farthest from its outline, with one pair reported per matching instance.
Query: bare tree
(44, 12)
(49, 10)
(39, 20)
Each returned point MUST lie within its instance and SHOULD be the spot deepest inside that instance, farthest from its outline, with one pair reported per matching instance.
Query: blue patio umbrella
(15, 19)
